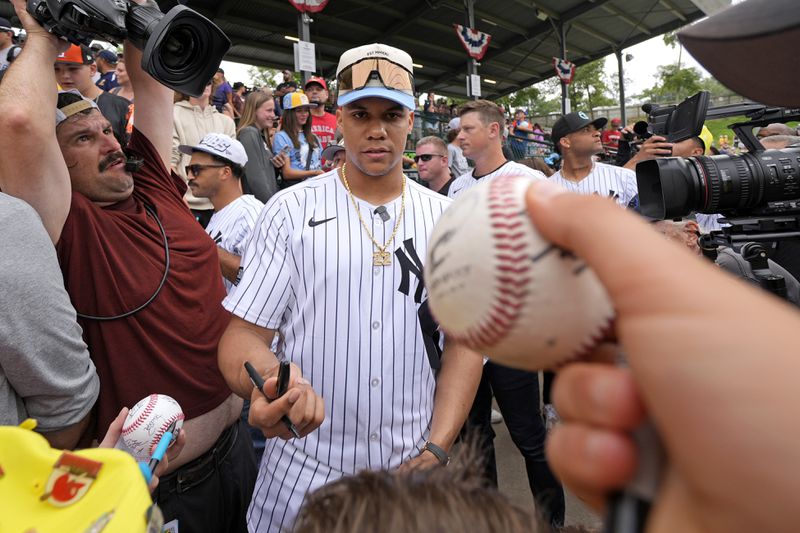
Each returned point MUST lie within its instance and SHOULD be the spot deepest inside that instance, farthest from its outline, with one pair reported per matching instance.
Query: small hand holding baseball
(713, 363)
(304, 407)
(114, 433)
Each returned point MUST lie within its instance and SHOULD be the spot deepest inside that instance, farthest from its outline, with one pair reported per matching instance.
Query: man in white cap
(335, 266)
(215, 172)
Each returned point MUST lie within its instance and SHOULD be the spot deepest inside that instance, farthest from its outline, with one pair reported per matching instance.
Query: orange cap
(77, 55)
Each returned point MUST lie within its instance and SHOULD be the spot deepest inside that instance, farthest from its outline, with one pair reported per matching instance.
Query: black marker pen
(258, 383)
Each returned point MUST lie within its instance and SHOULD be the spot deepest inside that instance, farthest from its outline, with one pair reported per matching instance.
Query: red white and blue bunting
(475, 42)
(310, 6)
(564, 69)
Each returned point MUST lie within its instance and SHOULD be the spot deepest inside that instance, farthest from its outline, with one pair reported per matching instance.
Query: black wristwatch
(438, 452)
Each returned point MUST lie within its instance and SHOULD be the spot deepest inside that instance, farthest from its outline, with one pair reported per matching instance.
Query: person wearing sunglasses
(335, 267)
(296, 139)
(433, 164)
(215, 172)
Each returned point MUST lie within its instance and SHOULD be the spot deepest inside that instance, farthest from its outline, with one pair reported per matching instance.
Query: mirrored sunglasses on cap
(375, 72)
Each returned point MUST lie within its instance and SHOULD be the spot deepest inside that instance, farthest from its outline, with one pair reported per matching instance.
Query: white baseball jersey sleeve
(232, 226)
(605, 180)
(354, 329)
(509, 168)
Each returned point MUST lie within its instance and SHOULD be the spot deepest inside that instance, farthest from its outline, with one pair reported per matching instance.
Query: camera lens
(182, 49)
(675, 187)
(179, 48)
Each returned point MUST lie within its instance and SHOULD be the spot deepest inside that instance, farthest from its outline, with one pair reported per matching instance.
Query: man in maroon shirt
(142, 274)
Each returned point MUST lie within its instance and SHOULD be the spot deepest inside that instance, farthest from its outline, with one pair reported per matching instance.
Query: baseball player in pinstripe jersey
(215, 172)
(335, 265)
(577, 138)
(516, 391)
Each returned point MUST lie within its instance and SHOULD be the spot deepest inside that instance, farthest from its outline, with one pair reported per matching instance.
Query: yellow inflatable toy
(44, 490)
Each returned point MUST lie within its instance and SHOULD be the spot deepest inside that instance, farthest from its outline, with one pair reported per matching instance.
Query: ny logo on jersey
(410, 263)
(611, 194)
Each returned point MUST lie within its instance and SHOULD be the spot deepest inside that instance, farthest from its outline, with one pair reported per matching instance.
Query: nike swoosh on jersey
(312, 222)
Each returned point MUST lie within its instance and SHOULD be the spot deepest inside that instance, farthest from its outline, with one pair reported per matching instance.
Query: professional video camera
(181, 49)
(758, 192)
(674, 122)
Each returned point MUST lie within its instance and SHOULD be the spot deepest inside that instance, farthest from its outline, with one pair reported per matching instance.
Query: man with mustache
(141, 273)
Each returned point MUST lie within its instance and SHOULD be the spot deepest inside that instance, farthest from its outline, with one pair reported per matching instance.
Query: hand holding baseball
(114, 433)
(713, 362)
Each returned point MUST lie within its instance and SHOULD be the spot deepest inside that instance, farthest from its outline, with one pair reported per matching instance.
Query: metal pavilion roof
(524, 33)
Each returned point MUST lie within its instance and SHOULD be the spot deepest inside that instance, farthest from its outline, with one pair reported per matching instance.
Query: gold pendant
(381, 258)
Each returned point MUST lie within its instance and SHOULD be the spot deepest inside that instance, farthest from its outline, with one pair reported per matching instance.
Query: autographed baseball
(495, 284)
(147, 422)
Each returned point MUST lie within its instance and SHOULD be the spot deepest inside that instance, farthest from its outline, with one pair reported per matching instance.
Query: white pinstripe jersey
(605, 180)
(231, 226)
(352, 327)
(509, 168)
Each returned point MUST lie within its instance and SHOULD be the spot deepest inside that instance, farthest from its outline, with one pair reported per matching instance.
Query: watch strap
(438, 452)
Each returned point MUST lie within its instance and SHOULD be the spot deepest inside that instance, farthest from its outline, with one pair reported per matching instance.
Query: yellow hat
(707, 137)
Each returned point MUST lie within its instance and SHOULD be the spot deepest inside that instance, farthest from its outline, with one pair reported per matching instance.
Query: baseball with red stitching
(496, 285)
(146, 423)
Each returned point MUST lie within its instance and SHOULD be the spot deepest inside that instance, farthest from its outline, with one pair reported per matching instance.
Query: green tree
(532, 99)
(264, 77)
(673, 84)
(715, 87)
(589, 88)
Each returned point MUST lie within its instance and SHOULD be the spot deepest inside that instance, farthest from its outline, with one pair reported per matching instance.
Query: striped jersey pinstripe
(509, 168)
(605, 180)
(351, 327)
(231, 226)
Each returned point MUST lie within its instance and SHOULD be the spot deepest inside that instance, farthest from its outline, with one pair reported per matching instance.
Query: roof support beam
(674, 10)
(594, 33)
(610, 8)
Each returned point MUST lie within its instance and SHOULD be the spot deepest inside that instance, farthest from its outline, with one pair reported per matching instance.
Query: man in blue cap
(106, 62)
(335, 266)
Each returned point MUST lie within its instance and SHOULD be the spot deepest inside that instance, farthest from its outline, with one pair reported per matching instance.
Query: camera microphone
(133, 164)
(642, 128)
(381, 211)
(647, 108)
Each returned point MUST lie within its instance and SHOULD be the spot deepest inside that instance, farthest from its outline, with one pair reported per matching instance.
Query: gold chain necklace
(381, 257)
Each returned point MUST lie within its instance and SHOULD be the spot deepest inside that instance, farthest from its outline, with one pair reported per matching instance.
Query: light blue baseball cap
(378, 71)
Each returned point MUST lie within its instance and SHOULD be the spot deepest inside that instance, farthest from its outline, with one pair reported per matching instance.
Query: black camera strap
(152, 212)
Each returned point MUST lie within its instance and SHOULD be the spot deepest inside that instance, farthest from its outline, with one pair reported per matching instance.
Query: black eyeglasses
(196, 169)
(426, 157)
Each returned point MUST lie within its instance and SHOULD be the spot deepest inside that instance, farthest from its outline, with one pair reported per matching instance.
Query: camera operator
(124, 236)
(657, 146)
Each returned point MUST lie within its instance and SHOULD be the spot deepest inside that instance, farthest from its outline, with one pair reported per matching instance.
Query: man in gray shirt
(45, 370)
